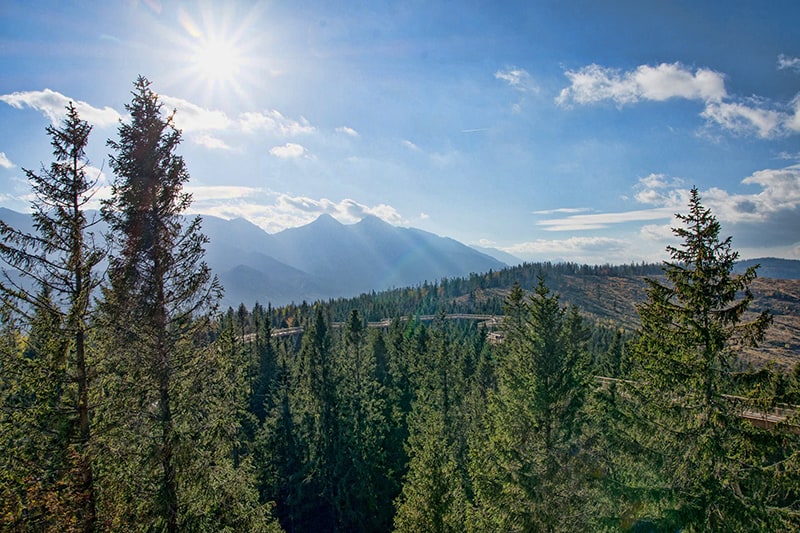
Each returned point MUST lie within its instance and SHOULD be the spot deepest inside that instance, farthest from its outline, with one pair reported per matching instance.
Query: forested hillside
(605, 399)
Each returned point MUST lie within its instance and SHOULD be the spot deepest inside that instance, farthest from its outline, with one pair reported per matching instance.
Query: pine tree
(60, 257)
(714, 467)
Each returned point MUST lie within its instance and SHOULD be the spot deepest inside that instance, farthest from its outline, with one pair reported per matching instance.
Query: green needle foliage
(59, 258)
(173, 402)
(528, 472)
(713, 469)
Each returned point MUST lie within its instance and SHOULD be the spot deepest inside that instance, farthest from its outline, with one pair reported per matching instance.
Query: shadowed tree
(60, 258)
(173, 402)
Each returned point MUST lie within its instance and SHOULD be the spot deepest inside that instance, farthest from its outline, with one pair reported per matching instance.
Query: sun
(217, 61)
(218, 53)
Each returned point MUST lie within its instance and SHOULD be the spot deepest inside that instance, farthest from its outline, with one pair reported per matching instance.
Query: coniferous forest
(129, 401)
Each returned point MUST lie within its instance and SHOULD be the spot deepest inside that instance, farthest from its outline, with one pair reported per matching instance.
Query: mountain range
(327, 259)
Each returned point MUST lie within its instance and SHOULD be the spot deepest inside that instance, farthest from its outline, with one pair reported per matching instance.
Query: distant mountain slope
(500, 255)
(772, 267)
(373, 255)
(324, 259)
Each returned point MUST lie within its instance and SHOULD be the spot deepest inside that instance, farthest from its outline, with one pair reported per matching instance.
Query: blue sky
(551, 130)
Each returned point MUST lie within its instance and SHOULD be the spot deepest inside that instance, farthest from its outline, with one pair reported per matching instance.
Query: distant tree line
(128, 402)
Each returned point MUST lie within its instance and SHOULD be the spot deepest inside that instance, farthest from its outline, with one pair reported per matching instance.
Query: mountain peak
(373, 221)
(326, 220)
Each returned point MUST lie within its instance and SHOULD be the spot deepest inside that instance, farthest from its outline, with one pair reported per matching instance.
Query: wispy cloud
(604, 220)
(410, 145)
(577, 249)
(288, 151)
(347, 131)
(562, 210)
(788, 62)
(52, 104)
(211, 142)
(517, 78)
(5, 162)
(204, 193)
(274, 122)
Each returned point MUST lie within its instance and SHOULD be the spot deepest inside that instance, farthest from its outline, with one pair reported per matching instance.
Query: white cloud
(745, 118)
(5, 162)
(657, 189)
(424, 216)
(288, 151)
(788, 62)
(793, 121)
(518, 79)
(657, 232)
(211, 142)
(763, 222)
(191, 117)
(780, 188)
(595, 83)
(347, 131)
(52, 104)
(274, 122)
(753, 115)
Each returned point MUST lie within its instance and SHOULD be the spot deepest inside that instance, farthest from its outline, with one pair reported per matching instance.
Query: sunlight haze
(548, 130)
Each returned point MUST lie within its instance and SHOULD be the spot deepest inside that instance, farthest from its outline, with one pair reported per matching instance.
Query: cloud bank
(52, 104)
(203, 126)
(278, 211)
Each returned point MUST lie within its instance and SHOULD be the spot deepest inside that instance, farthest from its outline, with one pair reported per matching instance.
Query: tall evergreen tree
(363, 499)
(171, 403)
(715, 468)
(434, 492)
(528, 473)
(60, 257)
(313, 405)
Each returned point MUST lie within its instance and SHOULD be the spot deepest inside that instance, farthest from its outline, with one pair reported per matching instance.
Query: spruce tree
(528, 475)
(363, 500)
(172, 401)
(313, 406)
(714, 470)
(60, 258)
(434, 493)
